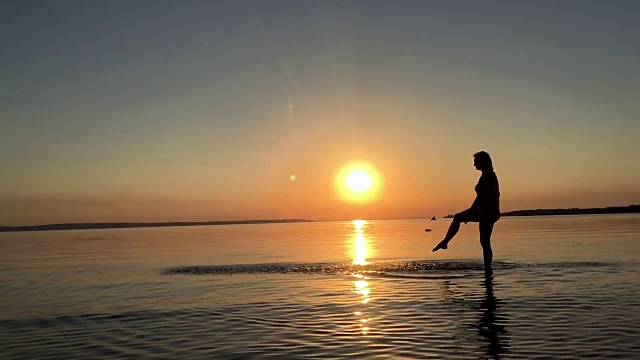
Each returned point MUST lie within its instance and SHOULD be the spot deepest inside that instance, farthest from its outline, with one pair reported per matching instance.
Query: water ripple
(350, 268)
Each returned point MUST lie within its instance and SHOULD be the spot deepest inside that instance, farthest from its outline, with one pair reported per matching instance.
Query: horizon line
(124, 225)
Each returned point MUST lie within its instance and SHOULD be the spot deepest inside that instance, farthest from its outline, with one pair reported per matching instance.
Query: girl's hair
(484, 160)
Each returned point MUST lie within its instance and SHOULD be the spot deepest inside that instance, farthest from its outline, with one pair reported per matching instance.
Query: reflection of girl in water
(491, 326)
(484, 210)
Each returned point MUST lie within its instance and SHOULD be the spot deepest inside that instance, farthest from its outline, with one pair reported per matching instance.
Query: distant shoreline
(125, 225)
(631, 209)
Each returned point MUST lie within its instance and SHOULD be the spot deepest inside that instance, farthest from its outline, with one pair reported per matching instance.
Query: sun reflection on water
(360, 253)
(361, 285)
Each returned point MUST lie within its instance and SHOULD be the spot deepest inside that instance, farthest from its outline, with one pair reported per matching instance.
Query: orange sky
(204, 111)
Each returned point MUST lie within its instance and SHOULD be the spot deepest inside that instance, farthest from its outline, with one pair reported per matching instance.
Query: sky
(224, 110)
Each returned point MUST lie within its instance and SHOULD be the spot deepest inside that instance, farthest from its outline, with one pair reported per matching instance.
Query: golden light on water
(362, 288)
(360, 250)
(358, 224)
(358, 182)
(361, 285)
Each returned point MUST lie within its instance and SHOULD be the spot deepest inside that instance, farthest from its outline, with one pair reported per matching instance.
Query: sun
(358, 182)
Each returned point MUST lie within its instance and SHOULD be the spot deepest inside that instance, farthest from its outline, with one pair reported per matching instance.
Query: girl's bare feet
(441, 245)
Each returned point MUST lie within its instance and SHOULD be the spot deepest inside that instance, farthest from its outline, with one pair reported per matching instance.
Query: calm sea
(563, 287)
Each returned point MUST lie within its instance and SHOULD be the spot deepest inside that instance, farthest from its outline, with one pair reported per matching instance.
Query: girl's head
(482, 161)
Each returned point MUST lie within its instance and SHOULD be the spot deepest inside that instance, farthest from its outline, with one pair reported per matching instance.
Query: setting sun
(358, 182)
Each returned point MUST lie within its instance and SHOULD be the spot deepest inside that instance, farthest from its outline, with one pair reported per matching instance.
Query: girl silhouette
(485, 209)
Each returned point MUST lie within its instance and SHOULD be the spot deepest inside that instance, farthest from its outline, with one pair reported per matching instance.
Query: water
(563, 287)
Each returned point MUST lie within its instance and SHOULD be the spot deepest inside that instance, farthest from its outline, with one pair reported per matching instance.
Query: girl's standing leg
(486, 227)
